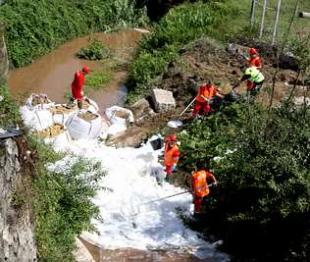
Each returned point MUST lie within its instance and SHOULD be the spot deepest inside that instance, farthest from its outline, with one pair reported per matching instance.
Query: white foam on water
(130, 218)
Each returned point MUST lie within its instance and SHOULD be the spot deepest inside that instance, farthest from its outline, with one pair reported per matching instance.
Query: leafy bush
(62, 204)
(180, 26)
(33, 28)
(95, 51)
(97, 80)
(9, 114)
(261, 160)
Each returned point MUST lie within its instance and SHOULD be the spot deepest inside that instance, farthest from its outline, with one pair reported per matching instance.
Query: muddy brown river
(53, 73)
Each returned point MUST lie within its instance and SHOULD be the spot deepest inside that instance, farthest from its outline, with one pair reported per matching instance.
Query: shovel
(177, 123)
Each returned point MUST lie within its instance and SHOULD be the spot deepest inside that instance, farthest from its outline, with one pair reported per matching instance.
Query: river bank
(52, 74)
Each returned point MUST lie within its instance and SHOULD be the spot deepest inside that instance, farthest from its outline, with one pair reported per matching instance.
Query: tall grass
(35, 27)
(237, 19)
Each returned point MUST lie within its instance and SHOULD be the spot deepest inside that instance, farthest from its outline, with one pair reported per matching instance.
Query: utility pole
(263, 20)
(276, 22)
(253, 7)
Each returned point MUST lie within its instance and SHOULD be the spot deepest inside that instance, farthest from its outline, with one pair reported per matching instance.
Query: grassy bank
(9, 115)
(222, 20)
(264, 186)
(33, 28)
(60, 199)
(62, 202)
(180, 26)
(240, 18)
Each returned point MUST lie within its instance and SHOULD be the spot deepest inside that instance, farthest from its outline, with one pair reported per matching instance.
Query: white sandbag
(39, 101)
(59, 118)
(44, 119)
(114, 111)
(59, 141)
(62, 117)
(79, 128)
(93, 107)
(36, 119)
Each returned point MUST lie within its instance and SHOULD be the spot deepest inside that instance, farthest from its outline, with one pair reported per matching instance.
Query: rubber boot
(168, 178)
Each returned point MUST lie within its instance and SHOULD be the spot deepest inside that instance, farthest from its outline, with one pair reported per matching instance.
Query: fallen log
(304, 14)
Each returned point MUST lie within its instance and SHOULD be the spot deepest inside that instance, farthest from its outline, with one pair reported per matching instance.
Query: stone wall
(4, 61)
(17, 242)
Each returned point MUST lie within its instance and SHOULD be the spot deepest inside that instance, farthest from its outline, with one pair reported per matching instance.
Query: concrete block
(163, 100)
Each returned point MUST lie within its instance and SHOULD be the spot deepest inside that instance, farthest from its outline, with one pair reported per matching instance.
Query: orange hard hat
(252, 51)
(86, 70)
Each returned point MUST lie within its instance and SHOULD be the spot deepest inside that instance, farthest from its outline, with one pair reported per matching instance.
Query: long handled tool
(10, 133)
(188, 106)
(152, 201)
(162, 198)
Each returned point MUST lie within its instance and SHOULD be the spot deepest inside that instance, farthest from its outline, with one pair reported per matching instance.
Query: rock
(172, 70)
(235, 48)
(4, 61)
(141, 108)
(132, 137)
(17, 241)
(81, 253)
(288, 61)
(163, 100)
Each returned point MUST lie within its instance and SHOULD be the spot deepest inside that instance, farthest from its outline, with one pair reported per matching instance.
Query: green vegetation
(157, 50)
(62, 203)
(98, 80)
(240, 18)
(221, 20)
(261, 160)
(95, 51)
(260, 156)
(33, 28)
(9, 114)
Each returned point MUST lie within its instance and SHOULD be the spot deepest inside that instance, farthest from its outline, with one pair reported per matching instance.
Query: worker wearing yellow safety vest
(255, 80)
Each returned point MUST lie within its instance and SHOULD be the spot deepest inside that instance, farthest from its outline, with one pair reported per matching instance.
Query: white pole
(263, 20)
(253, 7)
(188, 106)
(276, 22)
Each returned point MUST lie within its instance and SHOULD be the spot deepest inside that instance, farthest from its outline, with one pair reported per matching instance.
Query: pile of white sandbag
(42, 116)
(48, 120)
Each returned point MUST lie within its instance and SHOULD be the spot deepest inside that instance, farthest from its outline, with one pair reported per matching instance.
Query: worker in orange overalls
(254, 58)
(171, 155)
(206, 93)
(200, 189)
(77, 86)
